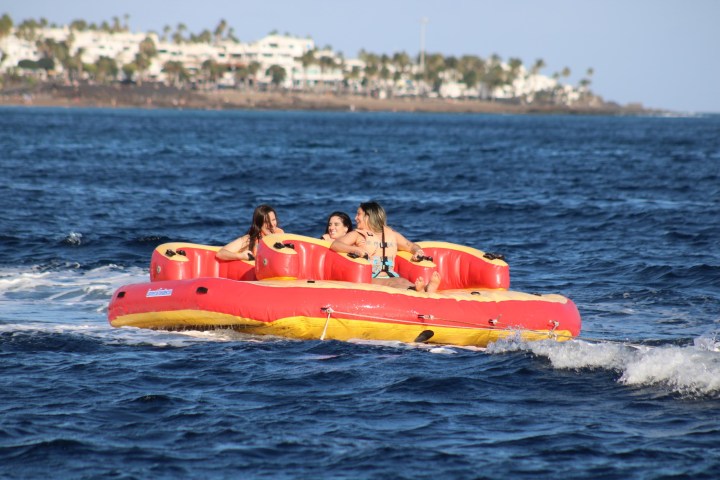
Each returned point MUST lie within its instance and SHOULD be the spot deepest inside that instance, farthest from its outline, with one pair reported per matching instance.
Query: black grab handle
(280, 245)
(424, 257)
(355, 255)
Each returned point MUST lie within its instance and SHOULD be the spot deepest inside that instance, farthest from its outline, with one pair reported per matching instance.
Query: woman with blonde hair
(381, 243)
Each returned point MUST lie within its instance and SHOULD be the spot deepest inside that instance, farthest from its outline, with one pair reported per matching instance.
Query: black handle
(355, 255)
(424, 257)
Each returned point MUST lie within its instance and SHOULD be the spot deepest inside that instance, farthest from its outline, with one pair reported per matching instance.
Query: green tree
(176, 71)
(147, 47)
(212, 71)
(277, 75)
(107, 69)
(27, 30)
(79, 25)
(129, 70)
(6, 25)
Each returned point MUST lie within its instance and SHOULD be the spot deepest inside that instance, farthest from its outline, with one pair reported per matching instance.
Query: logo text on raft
(160, 292)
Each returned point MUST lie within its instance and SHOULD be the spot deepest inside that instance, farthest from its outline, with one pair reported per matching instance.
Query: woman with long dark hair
(337, 225)
(264, 222)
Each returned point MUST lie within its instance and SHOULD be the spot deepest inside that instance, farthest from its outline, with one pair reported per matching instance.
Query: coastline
(157, 96)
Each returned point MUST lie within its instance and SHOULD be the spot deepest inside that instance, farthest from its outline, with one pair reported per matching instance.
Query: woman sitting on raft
(338, 224)
(264, 222)
(381, 243)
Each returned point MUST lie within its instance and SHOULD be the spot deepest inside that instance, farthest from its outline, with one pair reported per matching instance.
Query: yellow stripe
(342, 329)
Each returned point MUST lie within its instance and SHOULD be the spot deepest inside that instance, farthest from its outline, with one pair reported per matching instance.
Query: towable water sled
(298, 288)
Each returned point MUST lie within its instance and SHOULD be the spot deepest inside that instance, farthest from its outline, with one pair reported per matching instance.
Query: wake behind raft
(298, 288)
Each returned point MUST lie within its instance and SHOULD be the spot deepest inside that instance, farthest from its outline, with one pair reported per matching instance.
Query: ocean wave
(687, 370)
(66, 286)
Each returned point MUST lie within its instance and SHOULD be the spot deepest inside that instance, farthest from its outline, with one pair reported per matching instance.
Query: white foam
(90, 289)
(692, 370)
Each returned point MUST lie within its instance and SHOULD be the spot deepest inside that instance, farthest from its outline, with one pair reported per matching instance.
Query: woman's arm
(235, 250)
(347, 244)
(407, 246)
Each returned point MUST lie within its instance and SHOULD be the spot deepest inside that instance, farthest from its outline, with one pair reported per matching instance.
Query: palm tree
(166, 33)
(307, 59)
(253, 68)
(401, 61)
(372, 62)
(178, 37)
(220, 30)
(241, 76)
(494, 78)
(326, 62)
(539, 65)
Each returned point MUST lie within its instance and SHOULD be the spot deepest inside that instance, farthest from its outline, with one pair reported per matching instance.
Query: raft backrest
(466, 267)
(289, 256)
(180, 261)
(460, 267)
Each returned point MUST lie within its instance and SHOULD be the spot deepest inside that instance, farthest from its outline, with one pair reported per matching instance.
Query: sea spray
(692, 370)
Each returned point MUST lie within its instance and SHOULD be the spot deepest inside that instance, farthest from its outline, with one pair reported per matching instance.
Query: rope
(329, 312)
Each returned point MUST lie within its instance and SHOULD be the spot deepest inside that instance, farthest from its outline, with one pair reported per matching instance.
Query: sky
(664, 54)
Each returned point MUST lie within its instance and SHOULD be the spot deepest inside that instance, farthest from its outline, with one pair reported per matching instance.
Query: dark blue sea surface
(620, 214)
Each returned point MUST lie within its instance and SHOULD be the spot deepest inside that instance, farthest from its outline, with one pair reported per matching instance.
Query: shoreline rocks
(161, 96)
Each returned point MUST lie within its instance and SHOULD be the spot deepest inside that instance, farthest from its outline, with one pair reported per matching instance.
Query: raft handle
(355, 255)
(182, 252)
(121, 295)
(280, 245)
(474, 292)
(494, 256)
(201, 290)
(424, 257)
(170, 253)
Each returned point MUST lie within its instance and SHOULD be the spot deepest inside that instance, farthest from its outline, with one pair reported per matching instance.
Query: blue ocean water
(621, 214)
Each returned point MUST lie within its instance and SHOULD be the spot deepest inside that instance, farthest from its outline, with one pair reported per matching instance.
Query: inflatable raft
(298, 288)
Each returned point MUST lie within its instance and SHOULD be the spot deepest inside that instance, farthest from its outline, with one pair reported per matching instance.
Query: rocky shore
(161, 96)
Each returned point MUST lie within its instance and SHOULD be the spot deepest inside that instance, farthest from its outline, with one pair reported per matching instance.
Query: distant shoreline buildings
(35, 51)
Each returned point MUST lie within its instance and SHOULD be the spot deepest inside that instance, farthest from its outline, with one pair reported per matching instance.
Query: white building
(326, 70)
